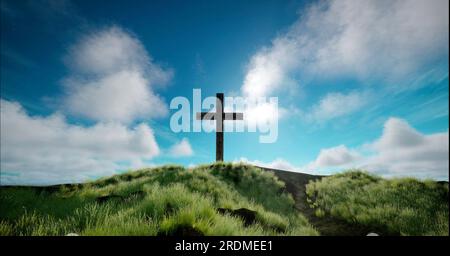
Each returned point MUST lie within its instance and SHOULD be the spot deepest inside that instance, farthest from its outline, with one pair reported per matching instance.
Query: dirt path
(327, 226)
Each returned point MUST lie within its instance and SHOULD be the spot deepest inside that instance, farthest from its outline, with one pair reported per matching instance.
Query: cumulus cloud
(268, 70)
(278, 163)
(400, 151)
(123, 96)
(183, 148)
(112, 82)
(47, 149)
(113, 78)
(383, 39)
(336, 104)
(335, 156)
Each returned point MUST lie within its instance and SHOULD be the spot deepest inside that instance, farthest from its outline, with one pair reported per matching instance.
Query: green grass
(156, 201)
(402, 206)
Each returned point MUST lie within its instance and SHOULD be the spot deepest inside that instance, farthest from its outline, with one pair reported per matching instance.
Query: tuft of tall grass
(404, 206)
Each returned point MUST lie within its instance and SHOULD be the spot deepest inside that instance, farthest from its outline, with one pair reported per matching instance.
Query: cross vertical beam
(219, 116)
(219, 127)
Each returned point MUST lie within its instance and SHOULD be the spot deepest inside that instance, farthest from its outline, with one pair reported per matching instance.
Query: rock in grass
(372, 234)
(72, 234)
(104, 199)
(248, 216)
(136, 194)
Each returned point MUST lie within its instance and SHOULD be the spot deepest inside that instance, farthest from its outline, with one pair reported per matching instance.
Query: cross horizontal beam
(225, 116)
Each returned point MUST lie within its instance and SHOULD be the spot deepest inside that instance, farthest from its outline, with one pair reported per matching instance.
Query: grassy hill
(327, 225)
(222, 199)
(401, 206)
(227, 199)
(357, 203)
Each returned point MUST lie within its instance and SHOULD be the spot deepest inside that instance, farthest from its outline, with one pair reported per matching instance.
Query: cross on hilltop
(219, 116)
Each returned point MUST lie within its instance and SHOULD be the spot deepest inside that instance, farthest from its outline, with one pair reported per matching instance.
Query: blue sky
(86, 86)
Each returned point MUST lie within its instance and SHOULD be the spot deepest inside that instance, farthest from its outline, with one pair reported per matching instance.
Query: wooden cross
(219, 116)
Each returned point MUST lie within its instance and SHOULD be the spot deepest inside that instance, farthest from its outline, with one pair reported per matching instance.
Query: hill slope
(219, 199)
(326, 225)
(228, 199)
(400, 206)
(357, 203)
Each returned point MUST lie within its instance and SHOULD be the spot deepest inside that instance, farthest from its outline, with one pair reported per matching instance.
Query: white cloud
(398, 134)
(278, 163)
(262, 113)
(389, 39)
(336, 104)
(112, 50)
(113, 78)
(123, 96)
(268, 70)
(400, 151)
(335, 156)
(339, 156)
(183, 148)
(45, 150)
